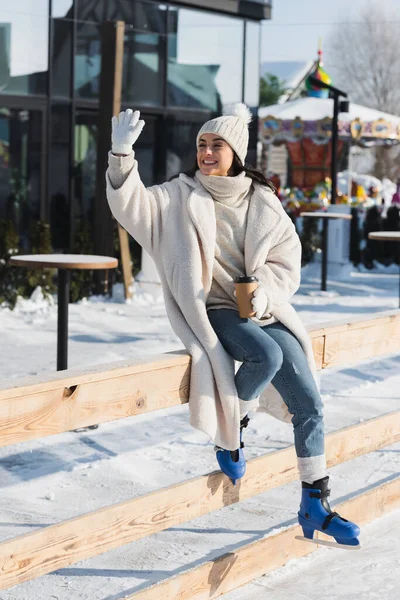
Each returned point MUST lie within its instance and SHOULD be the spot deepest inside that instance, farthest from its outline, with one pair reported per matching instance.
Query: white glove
(259, 301)
(126, 129)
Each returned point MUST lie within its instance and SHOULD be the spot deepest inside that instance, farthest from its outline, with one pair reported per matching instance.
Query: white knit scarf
(227, 190)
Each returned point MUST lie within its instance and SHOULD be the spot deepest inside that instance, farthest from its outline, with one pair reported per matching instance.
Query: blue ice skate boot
(316, 514)
(233, 462)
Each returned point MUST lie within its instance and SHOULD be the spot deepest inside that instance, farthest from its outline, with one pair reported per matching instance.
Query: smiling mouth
(209, 163)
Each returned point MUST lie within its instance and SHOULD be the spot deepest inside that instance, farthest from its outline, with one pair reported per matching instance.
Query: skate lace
(243, 423)
(320, 494)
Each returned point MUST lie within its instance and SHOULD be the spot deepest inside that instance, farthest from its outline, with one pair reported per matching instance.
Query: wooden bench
(53, 403)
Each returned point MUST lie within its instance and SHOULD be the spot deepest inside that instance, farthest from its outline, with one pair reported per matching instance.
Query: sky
(296, 26)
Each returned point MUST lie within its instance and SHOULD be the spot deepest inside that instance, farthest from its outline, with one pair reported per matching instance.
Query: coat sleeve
(138, 209)
(280, 275)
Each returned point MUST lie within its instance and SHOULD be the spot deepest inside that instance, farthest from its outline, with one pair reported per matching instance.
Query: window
(144, 49)
(205, 59)
(252, 65)
(143, 69)
(181, 143)
(146, 149)
(87, 61)
(20, 161)
(59, 180)
(23, 46)
(86, 132)
(61, 48)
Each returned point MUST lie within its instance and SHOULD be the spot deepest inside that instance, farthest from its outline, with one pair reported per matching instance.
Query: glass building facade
(183, 62)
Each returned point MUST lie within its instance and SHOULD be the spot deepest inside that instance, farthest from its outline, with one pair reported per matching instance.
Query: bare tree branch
(366, 58)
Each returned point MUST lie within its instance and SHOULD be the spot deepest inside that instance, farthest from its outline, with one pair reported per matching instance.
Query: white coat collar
(262, 221)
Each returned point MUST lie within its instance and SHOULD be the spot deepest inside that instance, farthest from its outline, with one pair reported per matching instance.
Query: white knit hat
(233, 127)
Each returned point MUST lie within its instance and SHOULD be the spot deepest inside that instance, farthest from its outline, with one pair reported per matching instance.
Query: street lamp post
(338, 106)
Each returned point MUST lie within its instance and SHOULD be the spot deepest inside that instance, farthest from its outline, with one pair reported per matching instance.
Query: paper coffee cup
(245, 287)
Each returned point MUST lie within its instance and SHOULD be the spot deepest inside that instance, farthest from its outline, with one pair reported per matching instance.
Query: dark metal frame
(244, 52)
(334, 93)
(256, 9)
(28, 102)
(49, 91)
(72, 111)
(63, 282)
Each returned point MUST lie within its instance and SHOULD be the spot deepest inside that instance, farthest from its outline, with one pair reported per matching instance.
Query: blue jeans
(273, 354)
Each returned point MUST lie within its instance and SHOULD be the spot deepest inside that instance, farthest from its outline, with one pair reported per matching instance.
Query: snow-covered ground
(371, 573)
(50, 480)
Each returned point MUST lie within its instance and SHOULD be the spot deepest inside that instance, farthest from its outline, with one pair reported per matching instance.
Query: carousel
(304, 127)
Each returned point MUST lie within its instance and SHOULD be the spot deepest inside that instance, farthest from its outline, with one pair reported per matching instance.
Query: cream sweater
(231, 196)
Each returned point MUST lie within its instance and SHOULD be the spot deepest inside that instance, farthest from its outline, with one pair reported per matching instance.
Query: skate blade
(326, 543)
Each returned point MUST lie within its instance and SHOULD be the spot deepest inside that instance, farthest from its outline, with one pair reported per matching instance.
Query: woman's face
(214, 155)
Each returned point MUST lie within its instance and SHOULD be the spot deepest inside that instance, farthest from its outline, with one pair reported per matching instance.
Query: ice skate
(315, 514)
(233, 462)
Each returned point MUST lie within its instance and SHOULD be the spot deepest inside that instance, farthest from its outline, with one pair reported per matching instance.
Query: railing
(51, 404)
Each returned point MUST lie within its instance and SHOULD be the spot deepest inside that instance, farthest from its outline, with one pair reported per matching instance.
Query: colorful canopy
(310, 117)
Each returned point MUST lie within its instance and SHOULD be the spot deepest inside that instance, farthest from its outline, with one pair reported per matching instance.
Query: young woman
(218, 221)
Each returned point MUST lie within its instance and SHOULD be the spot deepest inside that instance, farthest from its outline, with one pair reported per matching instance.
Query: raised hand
(126, 129)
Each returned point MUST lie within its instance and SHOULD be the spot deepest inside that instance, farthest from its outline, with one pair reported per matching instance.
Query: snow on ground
(374, 571)
(60, 477)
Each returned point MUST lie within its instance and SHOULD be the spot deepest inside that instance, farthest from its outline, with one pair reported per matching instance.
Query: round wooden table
(64, 263)
(325, 216)
(387, 236)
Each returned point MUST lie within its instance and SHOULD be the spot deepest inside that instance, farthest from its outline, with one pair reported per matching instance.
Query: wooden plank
(126, 261)
(24, 386)
(69, 407)
(351, 345)
(29, 556)
(359, 322)
(318, 346)
(59, 402)
(235, 569)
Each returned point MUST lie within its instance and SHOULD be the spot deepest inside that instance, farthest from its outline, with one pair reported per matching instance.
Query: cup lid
(245, 279)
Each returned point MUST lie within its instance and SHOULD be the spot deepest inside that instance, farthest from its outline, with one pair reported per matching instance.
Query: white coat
(175, 223)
